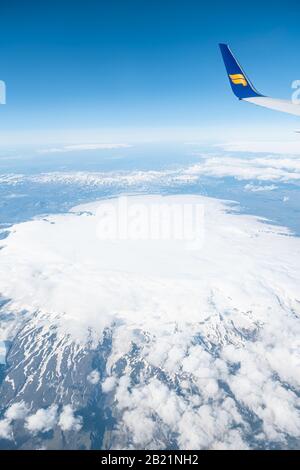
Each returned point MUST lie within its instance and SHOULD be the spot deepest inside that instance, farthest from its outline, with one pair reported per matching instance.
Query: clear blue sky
(132, 64)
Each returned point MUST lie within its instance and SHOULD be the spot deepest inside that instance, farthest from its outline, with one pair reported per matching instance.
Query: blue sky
(129, 66)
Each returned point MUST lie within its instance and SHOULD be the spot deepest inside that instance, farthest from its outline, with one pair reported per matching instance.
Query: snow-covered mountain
(150, 343)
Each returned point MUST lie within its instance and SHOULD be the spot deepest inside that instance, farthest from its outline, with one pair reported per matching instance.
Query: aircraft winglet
(244, 89)
(240, 83)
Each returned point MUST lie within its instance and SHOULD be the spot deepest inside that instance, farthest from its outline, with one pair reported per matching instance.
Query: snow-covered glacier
(150, 343)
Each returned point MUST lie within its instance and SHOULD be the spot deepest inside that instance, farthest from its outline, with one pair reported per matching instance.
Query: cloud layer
(269, 168)
(41, 421)
(276, 147)
(80, 147)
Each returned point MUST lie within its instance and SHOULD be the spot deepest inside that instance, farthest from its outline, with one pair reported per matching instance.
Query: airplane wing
(244, 89)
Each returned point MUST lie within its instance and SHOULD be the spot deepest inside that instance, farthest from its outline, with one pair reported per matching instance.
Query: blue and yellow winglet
(240, 83)
(244, 90)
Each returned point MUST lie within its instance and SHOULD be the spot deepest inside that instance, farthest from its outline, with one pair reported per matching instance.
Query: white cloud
(16, 411)
(43, 420)
(94, 377)
(268, 168)
(6, 431)
(140, 426)
(277, 147)
(2, 351)
(261, 188)
(152, 410)
(80, 147)
(108, 384)
(68, 421)
(205, 333)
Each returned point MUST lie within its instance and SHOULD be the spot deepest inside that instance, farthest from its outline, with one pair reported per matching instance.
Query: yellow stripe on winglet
(238, 79)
